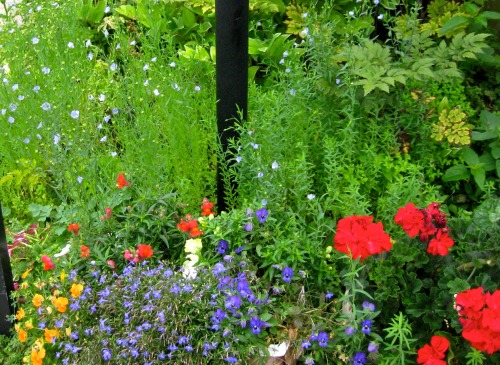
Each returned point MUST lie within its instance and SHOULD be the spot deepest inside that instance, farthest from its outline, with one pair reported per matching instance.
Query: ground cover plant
(363, 227)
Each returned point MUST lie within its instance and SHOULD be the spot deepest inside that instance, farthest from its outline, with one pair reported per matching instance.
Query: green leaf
(487, 161)
(456, 173)
(491, 15)
(458, 285)
(483, 136)
(470, 156)
(453, 24)
(127, 11)
(479, 176)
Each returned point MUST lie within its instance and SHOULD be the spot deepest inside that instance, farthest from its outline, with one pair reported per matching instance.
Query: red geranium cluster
(429, 224)
(480, 318)
(359, 237)
(433, 354)
(142, 252)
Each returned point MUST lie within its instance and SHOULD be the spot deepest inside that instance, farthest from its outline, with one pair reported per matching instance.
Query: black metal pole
(231, 43)
(6, 282)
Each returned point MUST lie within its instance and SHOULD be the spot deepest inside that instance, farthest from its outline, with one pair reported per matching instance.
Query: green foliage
(398, 340)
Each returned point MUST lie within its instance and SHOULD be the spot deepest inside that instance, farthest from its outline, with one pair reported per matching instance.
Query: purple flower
(257, 324)
(359, 358)
(287, 274)
(306, 344)
(239, 250)
(218, 269)
(373, 347)
(366, 326)
(350, 331)
(233, 302)
(368, 306)
(309, 361)
(106, 355)
(262, 215)
(323, 339)
(231, 359)
(248, 227)
(222, 247)
(329, 295)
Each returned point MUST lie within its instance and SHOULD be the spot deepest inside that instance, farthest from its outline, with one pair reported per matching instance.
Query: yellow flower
(76, 290)
(61, 304)
(28, 324)
(62, 276)
(51, 335)
(37, 300)
(24, 285)
(68, 331)
(20, 314)
(22, 335)
(49, 310)
(25, 274)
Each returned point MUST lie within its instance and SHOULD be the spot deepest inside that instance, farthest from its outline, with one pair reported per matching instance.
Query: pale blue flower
(75, 114)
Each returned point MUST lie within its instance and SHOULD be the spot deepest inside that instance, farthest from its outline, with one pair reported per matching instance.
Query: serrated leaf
(456, 173)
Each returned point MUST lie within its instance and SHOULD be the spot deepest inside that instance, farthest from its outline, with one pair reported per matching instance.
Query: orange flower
(206, 207)
(121, 182)
(37, 300)
(61, 304)
(85, 251)
(144, 252)
(76, 290)
(51, 335)
(37, 355)
(22, 335)
(73, 227)
(20, 314)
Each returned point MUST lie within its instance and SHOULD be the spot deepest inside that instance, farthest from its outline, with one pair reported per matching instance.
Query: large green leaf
(455, 173)
(453, 24)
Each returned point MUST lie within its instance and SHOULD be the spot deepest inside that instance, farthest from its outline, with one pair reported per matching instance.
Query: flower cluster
(206, 208)
(480, 318)
(22, 237)
(47, 263)
(121, 182)
(74, 227)
(143, 252)
(190, 225)
(430, 224)
(434, 353)
(359, 237)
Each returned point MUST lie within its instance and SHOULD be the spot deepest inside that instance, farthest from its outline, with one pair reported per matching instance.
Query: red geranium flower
(73, 227)
(434, 353)
(144, 252)
(121, 182)
(410, 219)
(358, 237)
(48, 264)
(84, 251)
(440, 244)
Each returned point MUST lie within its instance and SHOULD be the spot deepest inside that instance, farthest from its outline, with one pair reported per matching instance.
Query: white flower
(380, 17)
(190, 271)
(75, 114)
(38, 136)
(113, 154)
(57, 138)
(193, 245)
(260, 174)
(172, 64)
(264, 202)
(88, 43)
(118, 46)
(15, 87)
(304, 15)
(13, 107)
(20, 97)
(274, 165)
(113, 67)
(156, 92)
(90, 56)
(338, 81)
(146, 67)
(71, 45)
(146, 83)
(305, 32)
(5, 81)
(91, 97)
(79, 179)
(99, 126)
(238, 159)
(376, 2)
(197, 88)
(351, 13)
(311, 196)
(133, 43)
(106, 33)
(176, 87)
(26, 140)
(11, 120)
(36, 88)
(102, 97)
(107, 118)
(115, 111)
(3, 111)
(285, 54)
(64, 251)
(27, 73)
(103, 139)
(45, 106)
(287, 70)
(153, 59)
(107, 9)
(45, 70)
(35, 40)
(39, 125)
(254, 145)
(293, 92)
(282, 61)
